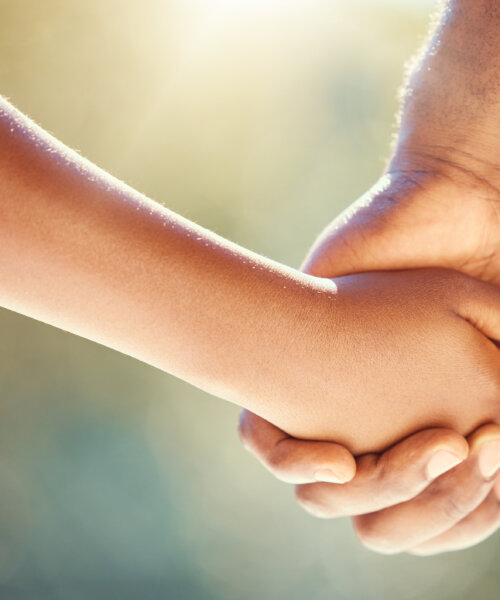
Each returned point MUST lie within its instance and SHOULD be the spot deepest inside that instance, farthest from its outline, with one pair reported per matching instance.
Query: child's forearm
(85, 253)
(385, 356)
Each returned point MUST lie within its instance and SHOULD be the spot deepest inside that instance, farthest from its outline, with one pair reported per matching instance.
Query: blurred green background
(260, 119)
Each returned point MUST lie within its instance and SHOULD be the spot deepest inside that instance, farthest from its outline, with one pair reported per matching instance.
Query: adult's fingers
(293, 460)
(448, 500)
(406, 222)
(396, 476)
(472, 530)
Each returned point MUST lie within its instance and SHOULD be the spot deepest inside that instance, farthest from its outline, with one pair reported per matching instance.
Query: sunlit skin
(437, 205)
(401, 190)
(366, 360)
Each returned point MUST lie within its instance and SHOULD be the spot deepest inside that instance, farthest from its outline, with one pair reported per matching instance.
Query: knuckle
(393, 481)
(282, 463)
(372, 537)
(308, 500)
(454, 509)
(276, 463)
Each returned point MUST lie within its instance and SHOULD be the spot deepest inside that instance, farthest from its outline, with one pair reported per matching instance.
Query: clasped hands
(437, 205)
(434, 491)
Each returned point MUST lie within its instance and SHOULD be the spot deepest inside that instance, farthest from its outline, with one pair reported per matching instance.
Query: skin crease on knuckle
(372, 539)
(454, 510)
(279, 463)
(473, 529)
(309, 501)
(395, 477)
(446, 503)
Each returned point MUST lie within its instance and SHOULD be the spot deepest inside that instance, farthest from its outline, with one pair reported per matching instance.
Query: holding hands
(398, 500)
(437, 205)
(402, 345)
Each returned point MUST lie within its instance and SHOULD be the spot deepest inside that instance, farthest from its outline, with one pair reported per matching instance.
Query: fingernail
(441, 462)
(328, 476)
(489, 459)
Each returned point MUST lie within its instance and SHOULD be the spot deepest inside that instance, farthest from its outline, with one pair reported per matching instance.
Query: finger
(479, 303)
(472, 530)
(293, 460)
(448, 500)
(396, 476)
(397, 224)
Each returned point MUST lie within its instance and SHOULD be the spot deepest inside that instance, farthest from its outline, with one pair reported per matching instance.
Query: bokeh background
(260, 119)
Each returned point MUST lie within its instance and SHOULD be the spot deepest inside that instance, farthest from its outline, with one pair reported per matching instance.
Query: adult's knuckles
(312, 502)
(280, 463)
(376, 536)
(454, 509)
(452, 505)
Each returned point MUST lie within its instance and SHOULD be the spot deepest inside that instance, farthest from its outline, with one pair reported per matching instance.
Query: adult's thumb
(395, 225)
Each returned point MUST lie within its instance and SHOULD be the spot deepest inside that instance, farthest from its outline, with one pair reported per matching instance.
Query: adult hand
(416, 220)
(411, 498)
(438, 204)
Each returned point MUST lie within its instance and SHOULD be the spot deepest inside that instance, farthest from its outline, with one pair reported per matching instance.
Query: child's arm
(86, 253)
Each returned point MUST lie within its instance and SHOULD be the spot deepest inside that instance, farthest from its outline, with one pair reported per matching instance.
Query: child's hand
(404, 351)
(404, 500)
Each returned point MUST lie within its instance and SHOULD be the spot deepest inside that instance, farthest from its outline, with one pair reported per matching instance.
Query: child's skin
(365, 360)
(440, 207)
